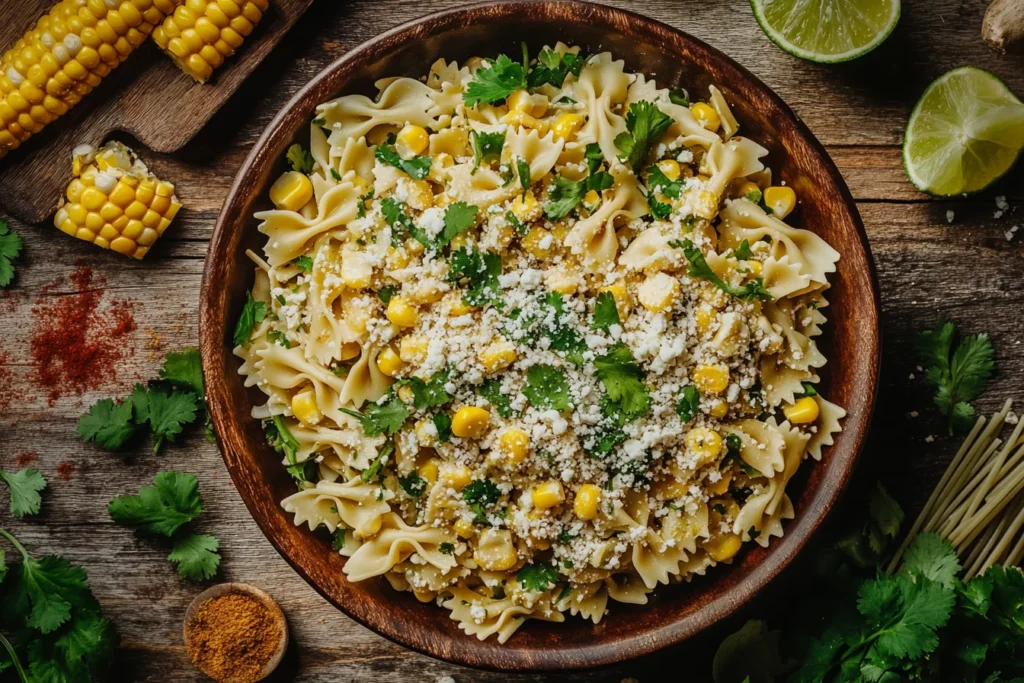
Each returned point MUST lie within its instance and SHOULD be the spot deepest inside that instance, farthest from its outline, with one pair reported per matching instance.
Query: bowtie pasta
(535, 336)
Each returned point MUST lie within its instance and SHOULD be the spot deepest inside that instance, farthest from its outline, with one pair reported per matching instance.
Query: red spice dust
(6, 383)
(27, 458)
(75, 345)
(65, 469)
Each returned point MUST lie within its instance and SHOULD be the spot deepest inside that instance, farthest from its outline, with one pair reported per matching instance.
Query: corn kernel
(591, 198)
(459, 306)
(291, 191)
(705, 443)
(455, 476)
(547, 495)
(804, 411)
(719, 409)
(520, 101)
(411, 140)
(495, 551)
(515, 444)
(706, 116)
(562, 280)
(428, 471)
(711, 379)
(754, 268)
(704, 316)
(464, 528)
(388, 362)
(470, 422)
(722, 548)
(566, 124)
(621, 296)
(585, 502)
(401, 313)
(750, 191)
(525, 207)
(421, 196)
(397, 258)
(497, 356)
(413, 348)
(658, 292)
(304, 407)
(670, 168)
(538, 242)
(781, 200)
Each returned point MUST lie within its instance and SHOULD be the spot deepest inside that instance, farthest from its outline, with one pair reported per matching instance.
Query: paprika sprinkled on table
(75, 345)
(6, 383)
(232, 637)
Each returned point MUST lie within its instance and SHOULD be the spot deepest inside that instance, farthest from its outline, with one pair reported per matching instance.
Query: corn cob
(68, 52)
(115, 202)
(201, 34)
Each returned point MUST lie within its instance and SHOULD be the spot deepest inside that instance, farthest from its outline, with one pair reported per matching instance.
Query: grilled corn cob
(201, 34)
(68, 52)
(115, 202)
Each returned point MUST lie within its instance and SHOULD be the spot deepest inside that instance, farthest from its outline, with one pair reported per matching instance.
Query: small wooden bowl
(851, 341)
(275, 613)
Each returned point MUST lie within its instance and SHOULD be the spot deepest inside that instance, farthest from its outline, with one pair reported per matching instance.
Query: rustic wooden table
(969, 271)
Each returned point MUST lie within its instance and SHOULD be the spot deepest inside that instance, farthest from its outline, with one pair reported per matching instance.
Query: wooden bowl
(275, 614)
(851, 342)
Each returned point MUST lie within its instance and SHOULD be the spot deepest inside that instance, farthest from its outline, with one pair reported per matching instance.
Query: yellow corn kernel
(304, 407)
(670, 489)
(402, 313)
(750, 191)
(411, 140)
(497, 356)
(705, 443)
(429, 471)
(417, 249)
(566, 124)
(515, 444)
(413, 348)
(464, 528)
(562, 280)
(719, 487)
(459, 306)
(539, 242)
(704, 316)
(670, 168)
(291, 191)
(521, 118)
(706, 116)
(421, 196)
(585, 502)
(711, 379)
(470, 422)
(389, 362)
(426, 432)
(781, 200)
(455, 476)
(722, 548)
(658, 292)
(525, 207)
(754, 268)
(719, 409)
(547, 495)
(621, 295)
(495, 551)
(397, 258)
(520, 101)
(350, 350)
(804, 411)
(591, 198)
(356, 270)
(406, 393)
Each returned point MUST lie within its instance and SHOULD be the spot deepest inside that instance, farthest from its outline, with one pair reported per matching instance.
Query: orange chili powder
(232, 637)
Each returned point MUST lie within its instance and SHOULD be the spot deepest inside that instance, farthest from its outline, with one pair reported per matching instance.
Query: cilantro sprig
(626, 396)
(10, 249)
(486, 146)
(300, 159)
(491, 390)
(537, 577)
(547, 388)
(383, 417)
(25, 486)
(554, 67)
(253, 312)
(699, 268)
(496, 82)
(606, 313)
(565, 195)
(957, 375)
(417, 167)
(645, 124)
(480, 495)
(478, 270)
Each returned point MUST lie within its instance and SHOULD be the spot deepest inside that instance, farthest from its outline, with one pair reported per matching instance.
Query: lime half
(827, 30)
(966, 131)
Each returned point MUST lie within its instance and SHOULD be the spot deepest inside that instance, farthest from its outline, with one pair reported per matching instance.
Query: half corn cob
(67, 54)
(201, 34)
(115, 202)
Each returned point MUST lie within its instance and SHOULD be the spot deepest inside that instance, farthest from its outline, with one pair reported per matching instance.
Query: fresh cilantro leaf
(623, 381)
(495, 83)
(10, 249)
(335, 175)
(645, 124)
(808, 389)
(606, 313)
(446, 548)
(734, 454)
(413, 484)
(659, 210)
(319, 121)
(280, 437)
(491, 390)
(659, 182)
(458, 218)
(565, 99)
(252, 313)
(196, 556)
(108, 424)
(755, 196)
(517, 225)
(432, 393)
(371, 472)
(537, 577)
(563, 336)
(443, 425)
(553, 68)
(172, 502)
(300, 159)
(605, 440)
(481, 494)
(594, 157)
(547, 388)
(934, 558)
(53, 588)
(401, 223)
(905, 614)
(566, 194)
(386, 416)
(688, 405)
(338, 538)
(480, 270)
(361, 204)
(417, 167)
(165, 412)
(679, 96)
(958, 376)
(743, 252)
(523, 172)
(25, 485)
(304, 262)
(486, 146)
(280, 338)
(385, 293)
(753, 289)
(184, 370)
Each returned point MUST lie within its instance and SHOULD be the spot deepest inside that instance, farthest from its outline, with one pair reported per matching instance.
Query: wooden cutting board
(147, 97)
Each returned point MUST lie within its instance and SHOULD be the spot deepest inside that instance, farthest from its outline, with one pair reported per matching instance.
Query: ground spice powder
(232, 637)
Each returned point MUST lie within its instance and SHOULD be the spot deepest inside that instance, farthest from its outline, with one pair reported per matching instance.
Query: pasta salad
(534, 336)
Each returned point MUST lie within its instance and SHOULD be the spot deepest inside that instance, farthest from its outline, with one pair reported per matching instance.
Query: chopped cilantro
(547, 388)
(491, 390)
(688, 404)
(335, 175)
(401, 223)
(808, 389)
(566, 194)
(417, 167)
(659, 182)
(495, 83)
(645, 124)
(304, 263)
(486, 146)
(679, 96)
(553, 68)
(371, 472)
(443, 425)
(517, 225)
(537, 577)
(300, 159)
(606, 313)
(252, 313)
(563, 337)
(412, 483)
(458, 218)
(446, 548)
(523, 172)
(594, 157)
(338, 538)
(385, 293)
(429, 394)
(627, 395)
(743, 252)
(280, 338)
(386, 416)
(481, 494)
(480, 270)
(753, 289)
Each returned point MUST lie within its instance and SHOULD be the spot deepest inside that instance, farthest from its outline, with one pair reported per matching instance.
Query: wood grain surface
(967, 271)
(147, 97)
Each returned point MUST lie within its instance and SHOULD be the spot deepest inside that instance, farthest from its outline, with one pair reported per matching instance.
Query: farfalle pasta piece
(594, 238)
(602, 86)
(288, 232)
(403, 101)
(353, 505)
(829, 415)
(394, 543)
(540, 152)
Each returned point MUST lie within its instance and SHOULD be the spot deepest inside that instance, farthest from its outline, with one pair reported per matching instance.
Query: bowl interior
(851, 341)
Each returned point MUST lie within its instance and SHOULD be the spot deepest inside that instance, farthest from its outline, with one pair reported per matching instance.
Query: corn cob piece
(68, 53)
(115, 202)
(201, 34)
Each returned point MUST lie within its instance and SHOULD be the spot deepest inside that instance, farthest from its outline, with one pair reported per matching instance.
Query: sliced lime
(966, 131)
(827, 30)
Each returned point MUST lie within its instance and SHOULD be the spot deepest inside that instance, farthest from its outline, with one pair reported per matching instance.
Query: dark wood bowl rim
(215, 334)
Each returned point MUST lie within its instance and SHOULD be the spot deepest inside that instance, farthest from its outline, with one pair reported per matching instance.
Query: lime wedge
(827, 30)
(966, 131)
